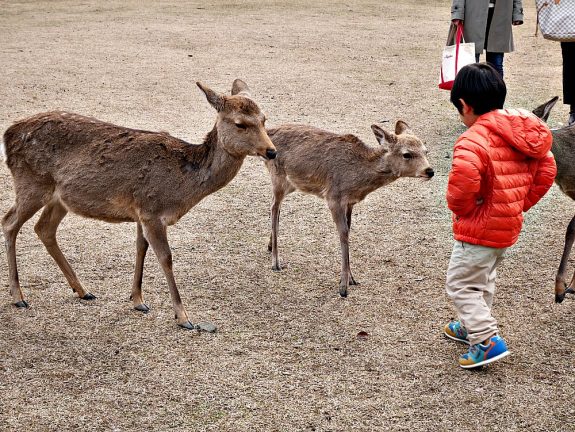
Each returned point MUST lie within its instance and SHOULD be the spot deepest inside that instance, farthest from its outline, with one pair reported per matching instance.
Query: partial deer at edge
(342, 170)
(66, 162)
(564, 151)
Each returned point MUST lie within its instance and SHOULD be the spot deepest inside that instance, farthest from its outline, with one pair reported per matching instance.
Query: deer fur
(342, 170)
(67, 162)
(564, 151)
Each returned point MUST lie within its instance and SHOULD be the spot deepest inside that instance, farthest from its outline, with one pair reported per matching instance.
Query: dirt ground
(286, 356)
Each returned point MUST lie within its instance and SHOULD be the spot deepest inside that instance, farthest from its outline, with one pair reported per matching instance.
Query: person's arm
(542, 181)
(517, 17)
(457, 11)
(464, 182)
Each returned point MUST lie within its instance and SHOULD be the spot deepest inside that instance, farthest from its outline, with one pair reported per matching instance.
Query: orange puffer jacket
(502, 165)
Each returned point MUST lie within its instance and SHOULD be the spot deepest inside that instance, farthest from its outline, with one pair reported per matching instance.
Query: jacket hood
(520, 129)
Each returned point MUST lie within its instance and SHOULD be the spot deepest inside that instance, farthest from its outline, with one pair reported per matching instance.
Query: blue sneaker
(479, 354)
(455, 330)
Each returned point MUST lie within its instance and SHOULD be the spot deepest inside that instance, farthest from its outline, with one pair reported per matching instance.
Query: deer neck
(217, 167)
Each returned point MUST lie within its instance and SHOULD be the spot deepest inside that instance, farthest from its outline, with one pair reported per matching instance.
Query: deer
(341, 169)
(65, 162)
(563, 149)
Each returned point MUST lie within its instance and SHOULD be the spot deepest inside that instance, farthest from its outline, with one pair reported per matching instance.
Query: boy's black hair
(480, 86)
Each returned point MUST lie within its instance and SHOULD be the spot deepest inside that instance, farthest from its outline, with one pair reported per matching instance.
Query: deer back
(321, 162)
(324, 163)
(102, 170)
(564, 151)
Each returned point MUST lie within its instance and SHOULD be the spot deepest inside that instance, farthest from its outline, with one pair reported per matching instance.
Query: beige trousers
(471, 285)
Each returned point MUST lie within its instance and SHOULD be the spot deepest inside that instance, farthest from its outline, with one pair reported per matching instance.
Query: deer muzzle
(270, 154)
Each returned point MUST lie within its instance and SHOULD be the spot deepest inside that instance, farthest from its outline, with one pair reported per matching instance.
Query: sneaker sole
(484, 362)
(456, 339)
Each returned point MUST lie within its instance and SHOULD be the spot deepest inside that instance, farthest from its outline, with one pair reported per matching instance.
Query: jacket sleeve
(542, 181)
(464, 184)
(517, 11)
(458, 9)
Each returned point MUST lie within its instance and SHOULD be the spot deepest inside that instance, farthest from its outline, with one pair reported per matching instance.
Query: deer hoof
(142, 308)
(343, 292)
(22, 304)
(188, 325)
(559, 297)
(89, 296)
(276, 268)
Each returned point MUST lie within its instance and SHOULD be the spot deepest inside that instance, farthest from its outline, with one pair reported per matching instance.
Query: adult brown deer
(66, 162)
(342, 170)
(564, 151)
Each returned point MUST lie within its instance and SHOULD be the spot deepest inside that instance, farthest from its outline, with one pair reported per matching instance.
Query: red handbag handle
(455, 36)
(458, 38)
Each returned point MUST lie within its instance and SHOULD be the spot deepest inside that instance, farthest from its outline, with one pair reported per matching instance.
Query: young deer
(66, 162)
(342, 170)
(564, 151)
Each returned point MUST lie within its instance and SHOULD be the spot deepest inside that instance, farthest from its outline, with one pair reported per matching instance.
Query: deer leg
(12, 221)
(560, 277)
(155, 233)
(338, 213)
(352, 281)
(141, 249)
(275, 216)
(46, 228)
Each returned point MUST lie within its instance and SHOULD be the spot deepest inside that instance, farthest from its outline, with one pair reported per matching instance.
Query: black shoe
(571, 119)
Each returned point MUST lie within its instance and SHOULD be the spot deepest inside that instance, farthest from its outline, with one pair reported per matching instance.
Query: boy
(502, 165)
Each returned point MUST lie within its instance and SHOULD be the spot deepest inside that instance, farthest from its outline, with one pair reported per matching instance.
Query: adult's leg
(495, 59)
(568, 52)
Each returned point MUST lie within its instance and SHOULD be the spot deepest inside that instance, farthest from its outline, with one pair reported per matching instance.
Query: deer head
(404, 153)
(240, 122)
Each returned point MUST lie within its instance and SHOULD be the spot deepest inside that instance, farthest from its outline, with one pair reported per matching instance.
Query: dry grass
(286, 357)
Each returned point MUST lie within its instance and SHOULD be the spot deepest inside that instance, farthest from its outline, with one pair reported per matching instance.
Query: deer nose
(270, 154)
(429, 172)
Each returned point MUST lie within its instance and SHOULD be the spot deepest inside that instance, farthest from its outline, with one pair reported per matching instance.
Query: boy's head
(480, 87)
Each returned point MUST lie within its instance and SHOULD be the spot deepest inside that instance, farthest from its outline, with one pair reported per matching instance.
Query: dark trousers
(495, 59)
(568, 51)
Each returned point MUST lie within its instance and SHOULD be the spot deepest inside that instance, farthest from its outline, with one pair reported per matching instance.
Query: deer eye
(407, 156)
(241, 126)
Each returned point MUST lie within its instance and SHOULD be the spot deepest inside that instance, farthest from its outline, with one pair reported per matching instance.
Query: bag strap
(459, 36)
(457, 43)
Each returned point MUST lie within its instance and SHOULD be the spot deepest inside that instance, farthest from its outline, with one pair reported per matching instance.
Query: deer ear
(402, 127)
(215, 100)
(384, 137)
(543, 111)
(240, 88)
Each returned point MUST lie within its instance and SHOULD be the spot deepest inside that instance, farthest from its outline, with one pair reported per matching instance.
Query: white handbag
(556, 19)
(456, 54)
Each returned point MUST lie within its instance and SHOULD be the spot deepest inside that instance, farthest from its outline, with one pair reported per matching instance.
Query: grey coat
(474, 16)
